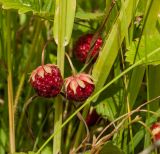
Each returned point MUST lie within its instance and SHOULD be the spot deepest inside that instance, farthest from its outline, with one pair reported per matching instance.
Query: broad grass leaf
(136, 139)
(135, 83)
(112, 45)
(71, 9)
(68, 10)
(3, 140)
(152, 17)
(153, 85)
(110, 148)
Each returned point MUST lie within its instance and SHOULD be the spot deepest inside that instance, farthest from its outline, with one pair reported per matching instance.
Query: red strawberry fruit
(83, 46)
(155, 128)
(92, 117)
(79, 87)
(46, 80)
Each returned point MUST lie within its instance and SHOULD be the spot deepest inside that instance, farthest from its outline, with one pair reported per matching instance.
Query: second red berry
(79, 87)
(83, 46)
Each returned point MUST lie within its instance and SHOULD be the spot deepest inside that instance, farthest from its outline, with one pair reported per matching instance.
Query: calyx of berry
(79, 87)
(40, 71)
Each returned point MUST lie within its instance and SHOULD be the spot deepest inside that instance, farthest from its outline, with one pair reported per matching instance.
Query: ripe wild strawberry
(46, 80)
(155, 128)
(92, 117)
(83, 46)
(79, 87)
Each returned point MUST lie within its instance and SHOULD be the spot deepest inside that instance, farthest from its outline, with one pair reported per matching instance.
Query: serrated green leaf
(152, 42)
(107, 109)
(47, 150)
(110, 148)
(17, 5)
(80, 14)
(25, 8)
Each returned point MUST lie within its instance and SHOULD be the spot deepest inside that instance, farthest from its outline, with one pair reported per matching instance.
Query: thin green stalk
(32, 50)
(95, 95)
(147, 135)
(30, 56)
(81, 128)
(69, 135)
(10, 86)
(129, 118)
(40, 130)
(57, 123)
(60, 62)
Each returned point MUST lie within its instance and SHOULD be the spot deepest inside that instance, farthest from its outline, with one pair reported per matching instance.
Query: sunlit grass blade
(112, 45)
(135, 84)
(70, 8)
(154, 88)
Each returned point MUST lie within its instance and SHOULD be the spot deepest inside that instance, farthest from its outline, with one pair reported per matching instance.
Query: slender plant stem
(10, 87)
(69, 135)
(60, 62)
(81, 127)
(32, 51)
(40, 130)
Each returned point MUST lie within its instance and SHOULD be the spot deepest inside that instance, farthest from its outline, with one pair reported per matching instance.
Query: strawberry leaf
(110, 148)
(147, 45)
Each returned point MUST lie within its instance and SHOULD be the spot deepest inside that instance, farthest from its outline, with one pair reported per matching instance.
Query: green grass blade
(152, 17)
(135, 84)
(112, 45)
(154, 88)
(70, 8)
(3, 139)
